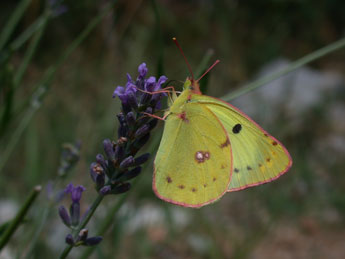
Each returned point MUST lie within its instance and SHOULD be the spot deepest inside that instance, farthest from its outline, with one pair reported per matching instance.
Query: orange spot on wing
(226, 143)
(169, 180)
(183, 116)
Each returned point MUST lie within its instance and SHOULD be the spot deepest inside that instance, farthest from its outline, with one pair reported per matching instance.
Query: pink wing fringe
(200, 204)
(265, 132)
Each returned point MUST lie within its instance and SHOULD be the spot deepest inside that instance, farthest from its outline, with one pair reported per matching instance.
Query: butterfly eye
(237, 128)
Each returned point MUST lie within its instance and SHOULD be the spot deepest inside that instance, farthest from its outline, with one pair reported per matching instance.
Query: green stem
(14, 138)
(40, 223)
(20, 216)
(12, 22)
(26, 35)
(106, 223)
(109, 220)
(7, 113)
(43, 85)
(29, 54)
(293, 66)
(92, 210)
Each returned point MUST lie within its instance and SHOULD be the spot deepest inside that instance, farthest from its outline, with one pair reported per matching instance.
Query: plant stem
(106, 223)
(26, 35)
(109, 220)
(43, 85)
(12, 22)
(16, 135)
(293, 66)
(29, 54)
(82, 224)
(6, 119)
(20, 216)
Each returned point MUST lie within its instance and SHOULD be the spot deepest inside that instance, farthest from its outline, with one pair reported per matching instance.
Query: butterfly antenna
(185, 59)
(208, 70)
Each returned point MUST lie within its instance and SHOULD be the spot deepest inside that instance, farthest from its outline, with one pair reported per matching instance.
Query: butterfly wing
(193, 166)
(257, 156)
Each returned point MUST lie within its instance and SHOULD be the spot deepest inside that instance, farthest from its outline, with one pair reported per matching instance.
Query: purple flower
(75, 192)
(150, 84)
(123, 92)
(142, 69)
(132, 98)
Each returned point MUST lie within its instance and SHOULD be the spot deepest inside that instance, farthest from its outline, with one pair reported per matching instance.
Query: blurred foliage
(304, 206)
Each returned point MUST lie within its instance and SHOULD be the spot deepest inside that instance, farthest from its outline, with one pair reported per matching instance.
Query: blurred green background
(301, 215)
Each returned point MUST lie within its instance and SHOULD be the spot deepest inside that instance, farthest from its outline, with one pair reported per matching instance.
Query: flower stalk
(111, 172)
(5, 237)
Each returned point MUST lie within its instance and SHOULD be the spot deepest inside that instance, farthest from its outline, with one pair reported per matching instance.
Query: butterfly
(210, 147)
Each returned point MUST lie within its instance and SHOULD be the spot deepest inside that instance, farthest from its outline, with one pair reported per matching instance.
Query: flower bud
(130, 174)
(119, 152)
(123, 130)
(121, 188)
(122, 141)
(64, 216)
(127, 162)
(92, 241)
(105, 190)
(109, 149)
(100, 160)
(138, 143)
(82, 236)
(142, 131)
(100, 180)
(141, 159)
(93, 171)
(132, 100)
(69, 239)
(149, 110)
(126, 107)
(121, 118)
(145, 98)
(130, 119)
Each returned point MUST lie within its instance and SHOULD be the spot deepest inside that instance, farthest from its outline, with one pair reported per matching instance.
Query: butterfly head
(191, 85)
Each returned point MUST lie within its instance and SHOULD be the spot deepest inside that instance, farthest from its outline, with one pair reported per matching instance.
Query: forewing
(257, 156)
(193, 166)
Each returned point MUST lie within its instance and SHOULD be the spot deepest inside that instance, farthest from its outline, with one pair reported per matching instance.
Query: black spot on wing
(237, 128)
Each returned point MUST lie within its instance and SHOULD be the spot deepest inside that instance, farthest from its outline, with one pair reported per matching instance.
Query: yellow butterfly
(209, 147)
